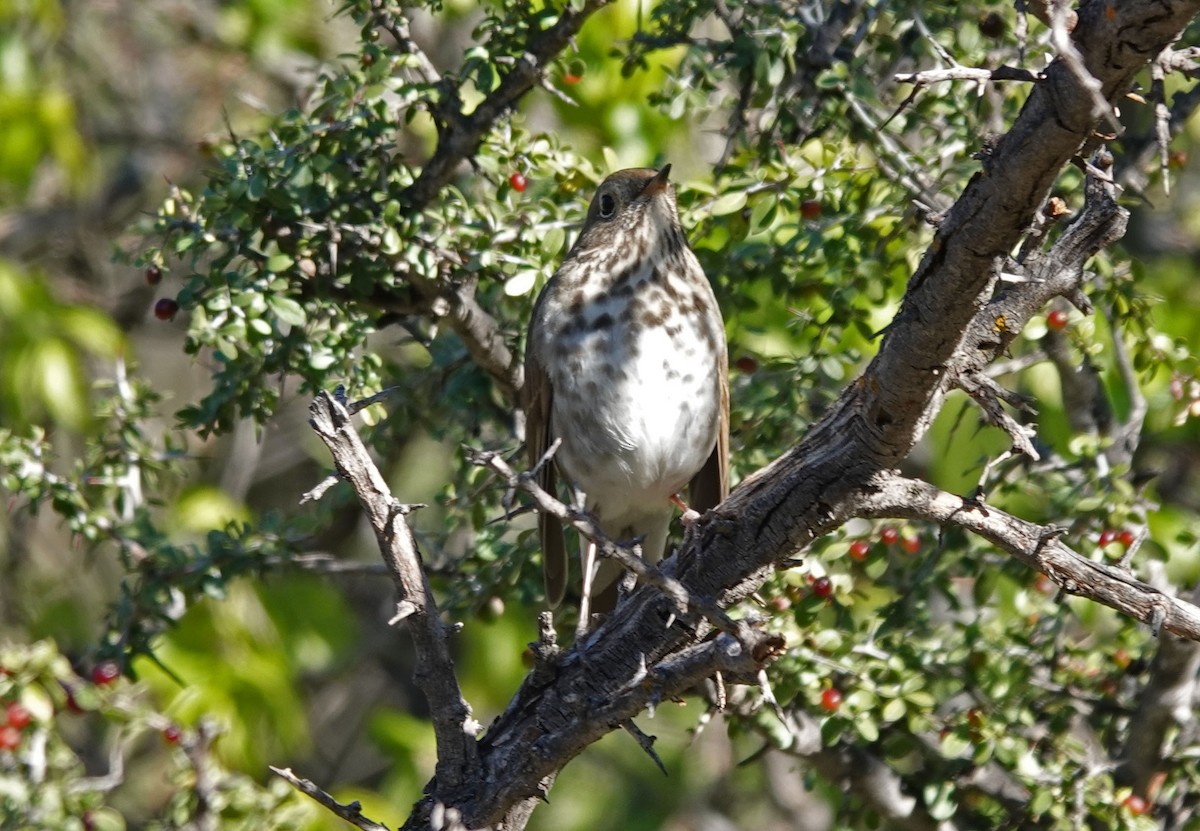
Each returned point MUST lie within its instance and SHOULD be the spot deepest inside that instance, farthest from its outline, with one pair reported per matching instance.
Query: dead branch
(455, 728)
(1037, 546)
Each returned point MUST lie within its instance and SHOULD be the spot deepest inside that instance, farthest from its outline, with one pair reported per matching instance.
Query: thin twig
(350, 812)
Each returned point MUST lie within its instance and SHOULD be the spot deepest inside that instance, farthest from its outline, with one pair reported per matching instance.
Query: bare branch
(454, 727)
(397, 26)
(988, 394)
(1186, 60)
(967, 73)
(1038, 547)
(1044, 10)
(351, 813)
(1062, 21)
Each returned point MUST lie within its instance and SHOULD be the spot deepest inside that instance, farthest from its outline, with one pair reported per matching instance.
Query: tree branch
(479, 331)
(351, 813)
(966, 73)
(1038, 547)
(871, 428)
(455, 729)
(462, 134)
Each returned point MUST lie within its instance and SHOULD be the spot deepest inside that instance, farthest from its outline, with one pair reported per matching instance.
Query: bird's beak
(659, 183)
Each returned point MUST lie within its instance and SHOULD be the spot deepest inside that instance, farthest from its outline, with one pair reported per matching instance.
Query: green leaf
(894, 710)
(762, 214)
(729, 203)
(279, 262)
(521, 283)
(391, 243)
(287, 310)
(321, 360)
(867, 727)
(954, 744)
(940, 800)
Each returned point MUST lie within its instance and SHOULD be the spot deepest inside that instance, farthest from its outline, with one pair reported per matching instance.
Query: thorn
(645, 742)
(404, 609)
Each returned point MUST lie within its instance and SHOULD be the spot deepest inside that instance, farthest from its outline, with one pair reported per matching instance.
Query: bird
(626, 363)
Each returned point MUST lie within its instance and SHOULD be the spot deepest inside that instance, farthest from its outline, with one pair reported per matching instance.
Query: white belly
(657, 414)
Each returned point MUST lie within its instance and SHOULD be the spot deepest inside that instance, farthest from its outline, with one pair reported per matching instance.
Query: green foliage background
(262, 154)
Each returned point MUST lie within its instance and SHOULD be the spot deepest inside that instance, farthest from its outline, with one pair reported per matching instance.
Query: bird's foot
(689, 515)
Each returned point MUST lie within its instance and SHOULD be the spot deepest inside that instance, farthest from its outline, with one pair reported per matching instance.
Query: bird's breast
(635, 363)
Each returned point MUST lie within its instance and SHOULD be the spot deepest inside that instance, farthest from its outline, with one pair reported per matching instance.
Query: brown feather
(710, 486)
(538, 395)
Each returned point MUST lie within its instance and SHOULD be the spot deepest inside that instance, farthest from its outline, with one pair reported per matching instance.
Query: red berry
(746, 364)
(822, 587)
(1136, 804)
(16, 715)
(1126, 538)
(10, 737)
(889, 535)
(1107, 537)
(859, 549)
(831, 699)
(72, 704)
(1057, 320)
(153, 275)
(810, 209)
(780, 603)
(911, 544)
(172, 734)
(571, 79)
(518, 182)
(105, 672)
(166, 308)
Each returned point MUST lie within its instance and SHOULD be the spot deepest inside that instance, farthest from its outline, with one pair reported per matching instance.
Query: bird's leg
(689, 516)
(585, 601)
(546, 457)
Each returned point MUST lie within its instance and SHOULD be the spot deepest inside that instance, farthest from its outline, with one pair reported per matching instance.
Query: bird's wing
(538, 395)
(711, 485)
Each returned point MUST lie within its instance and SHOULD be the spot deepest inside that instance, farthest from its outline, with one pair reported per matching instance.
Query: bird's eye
(608, 206)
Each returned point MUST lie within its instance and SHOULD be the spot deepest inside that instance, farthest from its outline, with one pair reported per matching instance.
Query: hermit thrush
(626, 363)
